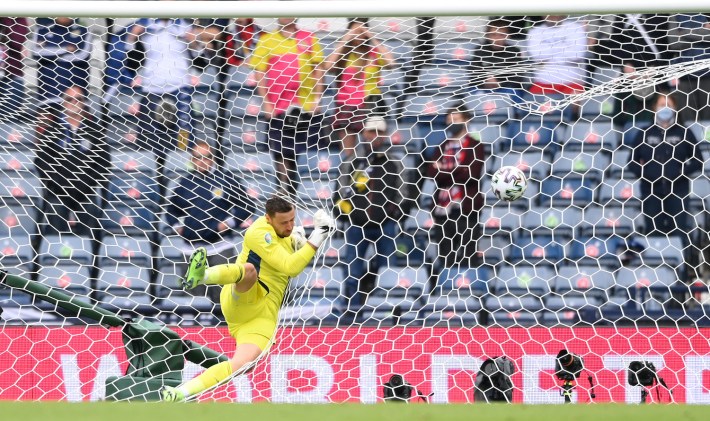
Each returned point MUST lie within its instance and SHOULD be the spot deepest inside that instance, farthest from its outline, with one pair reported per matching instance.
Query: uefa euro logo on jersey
(267, 238)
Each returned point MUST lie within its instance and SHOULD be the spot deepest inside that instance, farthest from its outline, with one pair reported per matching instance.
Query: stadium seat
(125, 249)
(17, 220)
(620, 192)
(19, 187)
(178, 163)
(662, 250)
(426, 107)
(12, 159)
(392, 81)
(65, 248)
(244, 106)
(534, 164)
(121, 133)
(558, 222)
(532, 134)
(443, 78)
(633, 281)
(591, 137)
(16, 251)
(597, 108)
(123, 102)
(246, 163)
(570, 310)
(240, 77)
(133, 188)
(259, 186)
(587, 281)
(552, 108)
(401, 49)
(522, 318)
(604, 250)
(566, 191)
(174, 299)
(398, 290)
(490, 108)
(494, 137)
(316, 190)
(499, 221)
(319, 164)
(248, 135)
(449, 311)
(135, 220)
(322, 282)
(535, 248)
(16, 136)
(582, 164)
(456, 49)
(70, 277)
(609, 220)
(618, 168)
(127, 161)
(604, 74)
(464, 282)
(333, 252)
(522, 280)
(205, 102)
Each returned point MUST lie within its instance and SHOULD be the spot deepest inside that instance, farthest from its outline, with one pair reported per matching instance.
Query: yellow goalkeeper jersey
(274, 259)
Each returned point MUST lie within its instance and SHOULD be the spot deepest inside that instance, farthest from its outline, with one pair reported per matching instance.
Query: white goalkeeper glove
(323, 227)
(298, 238)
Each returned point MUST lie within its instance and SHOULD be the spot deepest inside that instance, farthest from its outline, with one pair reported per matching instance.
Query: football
(509, 183)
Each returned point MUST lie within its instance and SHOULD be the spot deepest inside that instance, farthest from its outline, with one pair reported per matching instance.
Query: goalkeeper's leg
(198, 273)
(245, 355)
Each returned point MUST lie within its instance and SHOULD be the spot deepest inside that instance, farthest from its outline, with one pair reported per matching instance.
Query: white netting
(394, 125)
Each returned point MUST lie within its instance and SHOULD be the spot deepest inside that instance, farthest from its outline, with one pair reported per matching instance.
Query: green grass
(59, 411)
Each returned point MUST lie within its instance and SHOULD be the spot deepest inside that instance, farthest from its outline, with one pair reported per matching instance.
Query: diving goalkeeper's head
(281, 214)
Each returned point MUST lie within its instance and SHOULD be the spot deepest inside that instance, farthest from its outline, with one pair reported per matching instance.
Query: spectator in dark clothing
(207, 208)
(493, 57)
(62, 50)
(13, 34)
(72, 162)
(368, 199)
(635, 42)
(665, 159)
(456, 167)
(690, 38)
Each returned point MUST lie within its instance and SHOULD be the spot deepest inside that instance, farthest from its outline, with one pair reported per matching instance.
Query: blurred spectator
(72, 162)
(558, 46)
(493, 57)
(206, 208)
(287, 69)
(368, 200)
(62, 49)
(241, 42)
(208, 48)
(165, 82)
(357, 63)
(665, 159)
(457, 168)
(690, 38)
(13, 34)
(634, 42)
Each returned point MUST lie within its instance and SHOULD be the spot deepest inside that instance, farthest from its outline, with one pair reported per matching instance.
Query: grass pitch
(104, 411)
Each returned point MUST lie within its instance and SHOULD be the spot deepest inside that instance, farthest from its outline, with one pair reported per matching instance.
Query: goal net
(127, 143)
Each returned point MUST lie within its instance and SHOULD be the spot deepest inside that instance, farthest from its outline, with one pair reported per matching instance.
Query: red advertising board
(335, 365)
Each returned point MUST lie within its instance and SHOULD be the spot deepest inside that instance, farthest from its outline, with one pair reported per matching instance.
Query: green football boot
(195, 269)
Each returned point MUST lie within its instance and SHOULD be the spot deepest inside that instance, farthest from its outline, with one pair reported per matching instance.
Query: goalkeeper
(253, 287)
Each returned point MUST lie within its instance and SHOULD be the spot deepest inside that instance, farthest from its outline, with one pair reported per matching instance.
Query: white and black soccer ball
(509, 183)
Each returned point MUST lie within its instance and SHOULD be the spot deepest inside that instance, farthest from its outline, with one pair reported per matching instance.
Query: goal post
(132, 133)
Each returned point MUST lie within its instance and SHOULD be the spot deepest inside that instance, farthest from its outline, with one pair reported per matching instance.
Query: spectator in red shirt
(457, 167)
(13, 34)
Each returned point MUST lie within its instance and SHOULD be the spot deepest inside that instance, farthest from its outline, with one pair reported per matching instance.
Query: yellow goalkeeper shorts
(248, 316)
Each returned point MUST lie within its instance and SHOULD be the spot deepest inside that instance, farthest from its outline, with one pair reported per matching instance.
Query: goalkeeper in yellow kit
(253, 287)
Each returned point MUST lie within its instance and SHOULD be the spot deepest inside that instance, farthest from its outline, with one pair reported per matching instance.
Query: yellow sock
(224, 274)
(210, 377)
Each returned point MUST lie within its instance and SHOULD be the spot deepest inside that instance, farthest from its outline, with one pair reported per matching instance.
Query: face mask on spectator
(665, 115)
(454, 129)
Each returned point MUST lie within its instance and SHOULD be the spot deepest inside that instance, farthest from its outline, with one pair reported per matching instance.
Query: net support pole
(193, 352)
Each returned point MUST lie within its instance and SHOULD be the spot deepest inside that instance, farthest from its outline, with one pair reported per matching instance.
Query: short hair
(460, 108)
(203, 144)
(498, 23)
(276, 204)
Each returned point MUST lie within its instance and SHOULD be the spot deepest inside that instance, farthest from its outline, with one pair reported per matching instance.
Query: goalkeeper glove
(323, 227)
(298, 238)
